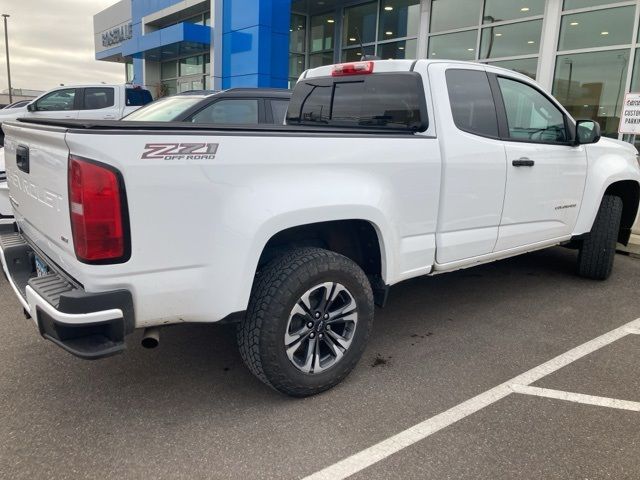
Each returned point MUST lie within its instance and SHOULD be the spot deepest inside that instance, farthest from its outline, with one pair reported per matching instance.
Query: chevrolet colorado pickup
(385, 171)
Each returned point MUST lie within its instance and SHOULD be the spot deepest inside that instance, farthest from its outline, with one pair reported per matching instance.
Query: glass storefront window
(399, 18)
(191, 65)
(298, 34)
(599, 28)
(635, 78)
(573, 4)
(398, 50)
(451, 14)
(355, 54)
(170, 87)
(592, 85)
(526, 66)
(322, 32)
(320, 59)
(129, 74)
(359, 24)
(169, 69)
(296, 65)
(455, 46)
(511, 40)
(499, 10)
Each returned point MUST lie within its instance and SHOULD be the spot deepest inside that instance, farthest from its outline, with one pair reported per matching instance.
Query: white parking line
(577, 397)
(406, 438)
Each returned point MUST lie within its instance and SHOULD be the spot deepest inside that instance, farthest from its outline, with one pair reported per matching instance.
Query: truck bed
(86, 126)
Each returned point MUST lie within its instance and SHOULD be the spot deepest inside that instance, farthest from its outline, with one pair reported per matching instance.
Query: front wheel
(308, 321)
(598, 250)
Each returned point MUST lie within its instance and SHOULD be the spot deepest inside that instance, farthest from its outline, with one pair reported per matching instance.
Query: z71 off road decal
(180, 151)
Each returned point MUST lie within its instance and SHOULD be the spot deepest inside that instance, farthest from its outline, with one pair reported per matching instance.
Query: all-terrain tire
(277, 289)
(595, 259)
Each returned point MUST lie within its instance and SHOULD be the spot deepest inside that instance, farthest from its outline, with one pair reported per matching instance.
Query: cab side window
(98, 98)
(530, 115)
(231, 112)
(472, 103)
(60, 100)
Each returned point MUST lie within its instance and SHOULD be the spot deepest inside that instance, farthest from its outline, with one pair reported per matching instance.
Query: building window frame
(633, 48)
(480, 27)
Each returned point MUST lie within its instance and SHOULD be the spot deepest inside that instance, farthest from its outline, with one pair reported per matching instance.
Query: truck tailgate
(36, 163)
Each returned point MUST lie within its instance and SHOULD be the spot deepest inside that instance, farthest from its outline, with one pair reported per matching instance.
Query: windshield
(165, 110)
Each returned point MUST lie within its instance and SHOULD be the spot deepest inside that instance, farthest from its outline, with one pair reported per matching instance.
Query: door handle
(523, 162)
(22, 159)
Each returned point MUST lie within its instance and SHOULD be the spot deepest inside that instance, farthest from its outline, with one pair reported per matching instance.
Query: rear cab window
(472, 105)
(96, 98)
(392, 101)
(137, 97)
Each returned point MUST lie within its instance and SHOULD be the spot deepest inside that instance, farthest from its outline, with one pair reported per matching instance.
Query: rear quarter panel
(198, 227)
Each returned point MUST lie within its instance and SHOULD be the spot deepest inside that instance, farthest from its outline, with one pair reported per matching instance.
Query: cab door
(60, 104)
(99, 103)
(473, 163)
(546, 174)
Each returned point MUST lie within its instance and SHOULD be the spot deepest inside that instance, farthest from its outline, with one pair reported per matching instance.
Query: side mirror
(587, 131)
(31, 107)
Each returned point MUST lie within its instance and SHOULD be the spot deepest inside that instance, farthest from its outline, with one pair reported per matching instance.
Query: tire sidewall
(273, 332)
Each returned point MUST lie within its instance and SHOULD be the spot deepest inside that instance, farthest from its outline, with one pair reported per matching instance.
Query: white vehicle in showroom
(385, 171)
(91, 102)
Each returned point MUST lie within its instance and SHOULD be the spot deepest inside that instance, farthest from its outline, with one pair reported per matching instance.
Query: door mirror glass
(31, 107)
(587, 131)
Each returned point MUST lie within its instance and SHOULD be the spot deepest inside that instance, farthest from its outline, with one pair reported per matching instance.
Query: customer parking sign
(630, 118)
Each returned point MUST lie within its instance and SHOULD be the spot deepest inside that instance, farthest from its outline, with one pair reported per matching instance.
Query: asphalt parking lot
(190, 409)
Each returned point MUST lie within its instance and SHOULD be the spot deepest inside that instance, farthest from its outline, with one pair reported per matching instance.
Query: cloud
(52, 43)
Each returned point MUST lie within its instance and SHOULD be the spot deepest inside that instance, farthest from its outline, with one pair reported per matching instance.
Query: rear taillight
(96, 201)
(355, 68)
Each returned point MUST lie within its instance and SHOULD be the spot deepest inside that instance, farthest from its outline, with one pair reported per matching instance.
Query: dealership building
(584, 51)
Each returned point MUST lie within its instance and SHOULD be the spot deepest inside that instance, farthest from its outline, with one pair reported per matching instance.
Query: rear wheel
(598, 250)
(309, 318)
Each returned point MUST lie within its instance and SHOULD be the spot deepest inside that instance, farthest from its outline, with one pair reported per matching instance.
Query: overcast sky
(51, 42)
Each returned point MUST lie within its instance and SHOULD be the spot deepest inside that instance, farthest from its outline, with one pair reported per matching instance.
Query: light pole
(6, 44)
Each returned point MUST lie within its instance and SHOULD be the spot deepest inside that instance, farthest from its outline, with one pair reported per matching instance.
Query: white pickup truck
(385, 171)
(100, 101)
(91, 102)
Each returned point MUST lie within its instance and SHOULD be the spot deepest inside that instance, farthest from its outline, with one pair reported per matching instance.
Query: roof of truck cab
(388, 66)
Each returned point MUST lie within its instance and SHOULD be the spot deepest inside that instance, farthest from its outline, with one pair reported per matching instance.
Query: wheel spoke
(339, 339)
(348, 313)
(332, 290)
(335, 349)
(311, 351)
(295, 338)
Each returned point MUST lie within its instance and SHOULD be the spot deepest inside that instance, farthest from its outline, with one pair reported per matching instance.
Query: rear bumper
(88, 325)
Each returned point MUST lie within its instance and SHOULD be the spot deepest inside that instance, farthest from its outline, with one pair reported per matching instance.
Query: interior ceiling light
(388, 8)
(604, 33)
(498, 34)
(470, 49)
(524, 9)
(351, 39)
(388, 33)
(573, 24)
(530, 42)
(331, 20)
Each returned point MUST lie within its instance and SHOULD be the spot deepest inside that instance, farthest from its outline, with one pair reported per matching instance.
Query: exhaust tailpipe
(151, 337)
